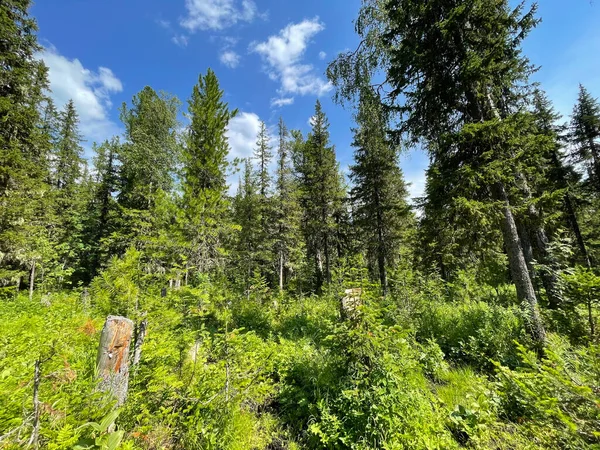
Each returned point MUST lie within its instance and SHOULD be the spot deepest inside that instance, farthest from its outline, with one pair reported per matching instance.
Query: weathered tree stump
(350, 303)
(113, 357)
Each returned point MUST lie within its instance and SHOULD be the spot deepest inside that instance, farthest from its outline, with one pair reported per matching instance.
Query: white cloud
(217, 14)
(230, 58)
(283, 54)
(322, 55)
(180, 39)
(283, 101)
(242, 132)
(91, 92)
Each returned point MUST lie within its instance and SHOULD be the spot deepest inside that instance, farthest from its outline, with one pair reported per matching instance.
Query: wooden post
(113, 357)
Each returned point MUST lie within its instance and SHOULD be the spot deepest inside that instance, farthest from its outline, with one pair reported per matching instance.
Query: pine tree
(321, 195)
(287, 239)
(204, 172)
(585, 133)
(150, 152)
(247, 215)
(263, 155)
(379, 191)
(24, 147)
(561, 175)
(68, 158)
(102, 208)
(67, 177)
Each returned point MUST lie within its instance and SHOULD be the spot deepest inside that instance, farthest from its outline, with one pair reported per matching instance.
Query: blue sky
(270, 57)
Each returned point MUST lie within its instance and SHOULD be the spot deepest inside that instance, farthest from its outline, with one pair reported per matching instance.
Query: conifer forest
(145, 305)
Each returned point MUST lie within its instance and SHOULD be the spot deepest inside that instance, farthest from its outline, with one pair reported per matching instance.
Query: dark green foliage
(321, 196)
(585, 133)
(204, 170)
(379, 192)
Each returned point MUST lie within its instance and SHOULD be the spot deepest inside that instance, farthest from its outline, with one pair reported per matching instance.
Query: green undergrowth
(220, 370)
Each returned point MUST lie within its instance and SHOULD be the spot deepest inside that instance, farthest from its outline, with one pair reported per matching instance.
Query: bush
(556, 398)
(473, 332)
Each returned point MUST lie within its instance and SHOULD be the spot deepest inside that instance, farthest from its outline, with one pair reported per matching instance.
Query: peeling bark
(113, 357)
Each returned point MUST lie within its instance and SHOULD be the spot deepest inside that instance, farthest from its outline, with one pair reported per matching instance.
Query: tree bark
(572, 217)
(518, 268)
(140, 335)
(113, 357)
(31, 279)
(37, 378)
(280, 271)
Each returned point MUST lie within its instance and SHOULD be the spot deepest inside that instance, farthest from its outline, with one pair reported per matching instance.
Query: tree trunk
(140, 335)
(572, 217)
(31, 279)
(526, 246)
(518, 268)
(113, 357)
(37, 378)
(280, 271)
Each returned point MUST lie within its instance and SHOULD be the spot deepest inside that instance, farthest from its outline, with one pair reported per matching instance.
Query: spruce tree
(287, 239)
(585, 134)
(379, 191)
(149, 154)
(321, 195)
(561, 175)
(204, 172)
(67, 179)
(263, 155)
(456, 75)
(247, 215)
(24, 147)
(102, 209)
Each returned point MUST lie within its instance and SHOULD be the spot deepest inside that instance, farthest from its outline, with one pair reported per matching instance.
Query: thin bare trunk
(280, 271)
(591, 318)
(575, 226)
(31, 279)
(37, 378)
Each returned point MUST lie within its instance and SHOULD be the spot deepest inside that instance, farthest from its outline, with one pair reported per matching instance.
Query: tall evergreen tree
(287, 239)
(456, 73)
(379, 191)
(102, 208)
(247, 214)
(585, 133)
(561, 174)
(24, 146)
(67, 178)
(149, 154)
(204, 171)
(321, 195)
(68, 159)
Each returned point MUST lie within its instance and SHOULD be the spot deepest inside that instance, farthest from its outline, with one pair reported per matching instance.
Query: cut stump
(113, 357)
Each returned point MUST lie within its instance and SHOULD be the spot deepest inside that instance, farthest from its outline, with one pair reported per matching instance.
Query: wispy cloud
(282, 101)
(217, 14)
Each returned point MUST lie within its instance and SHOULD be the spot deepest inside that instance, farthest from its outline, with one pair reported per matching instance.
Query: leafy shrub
(556, 398)
(473, 332)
